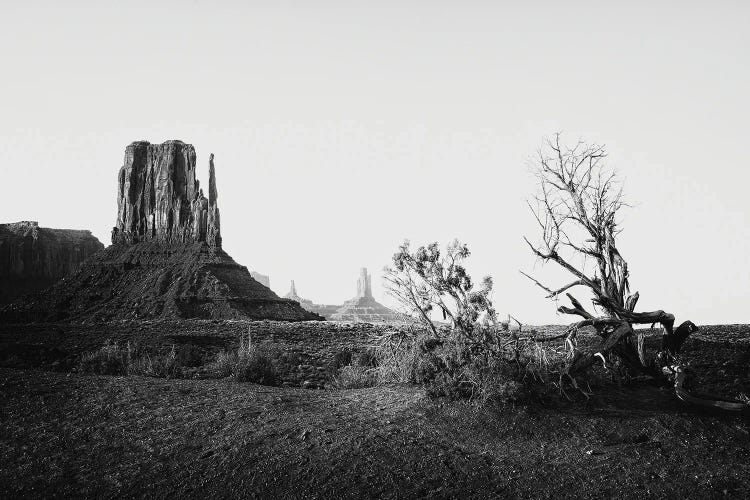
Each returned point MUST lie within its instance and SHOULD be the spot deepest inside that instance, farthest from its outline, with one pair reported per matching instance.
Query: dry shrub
(110, 359)
(355, 377)
(130, 359)
(455, 370)
(340, 359)
(398, 361)
(190, 356)
(502, 367)
(165, 365)
(256, 365)
(249, 363)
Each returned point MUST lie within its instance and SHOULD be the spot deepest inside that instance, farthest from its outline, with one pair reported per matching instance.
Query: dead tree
(577, 210)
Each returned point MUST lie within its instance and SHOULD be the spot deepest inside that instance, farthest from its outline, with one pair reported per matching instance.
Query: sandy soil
(70, 435)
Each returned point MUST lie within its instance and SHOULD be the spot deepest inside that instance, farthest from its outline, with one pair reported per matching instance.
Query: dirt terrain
(70, 435)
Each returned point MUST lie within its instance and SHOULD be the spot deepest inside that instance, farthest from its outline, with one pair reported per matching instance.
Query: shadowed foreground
(71, 435)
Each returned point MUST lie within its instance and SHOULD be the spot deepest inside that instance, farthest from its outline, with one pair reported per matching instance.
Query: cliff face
(159, 199)
(32, 258)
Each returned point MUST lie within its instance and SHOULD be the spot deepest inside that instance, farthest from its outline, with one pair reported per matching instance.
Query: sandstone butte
(165, 261)
(363, 308)
(33, 258)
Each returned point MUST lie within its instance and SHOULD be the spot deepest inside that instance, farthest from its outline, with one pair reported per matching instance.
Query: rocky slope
(157, 281)
(32, 258)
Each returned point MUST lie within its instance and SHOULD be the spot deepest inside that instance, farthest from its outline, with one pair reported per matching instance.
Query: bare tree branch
(578, 195)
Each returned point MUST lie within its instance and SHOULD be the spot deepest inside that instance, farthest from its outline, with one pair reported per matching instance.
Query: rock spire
(363, 307)
(364, 286)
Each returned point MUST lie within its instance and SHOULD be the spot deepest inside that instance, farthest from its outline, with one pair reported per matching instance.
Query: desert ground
(68, 434)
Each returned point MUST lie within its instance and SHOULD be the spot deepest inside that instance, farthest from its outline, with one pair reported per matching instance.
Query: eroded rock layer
(159, 198)
(32, 258)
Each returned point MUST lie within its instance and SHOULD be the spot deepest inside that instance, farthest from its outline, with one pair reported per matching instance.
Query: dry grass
(249, 363)
(355, 377)
(130, 359)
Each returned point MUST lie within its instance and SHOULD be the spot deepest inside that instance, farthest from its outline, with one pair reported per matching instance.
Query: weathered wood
(577, 308)
(673, 341)
(581, 361)
(578, 195)
(631, 301)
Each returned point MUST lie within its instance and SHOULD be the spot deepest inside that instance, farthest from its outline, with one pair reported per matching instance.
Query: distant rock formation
(293, 295)
(166, 260)
(363, 307)
(32, 258)
(309, 305)
(159, 198)
(261, 278)
(364, 285)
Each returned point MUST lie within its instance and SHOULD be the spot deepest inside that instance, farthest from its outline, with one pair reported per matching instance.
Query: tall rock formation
(364, 284)
(166, 260)
(364, 308)
(159, 198)
(213, 224)
(32, 258)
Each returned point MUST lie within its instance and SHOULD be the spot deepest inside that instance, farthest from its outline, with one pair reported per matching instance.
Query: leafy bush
(473, 355)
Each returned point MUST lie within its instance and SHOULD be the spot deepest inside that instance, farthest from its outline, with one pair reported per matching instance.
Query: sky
(341, 128)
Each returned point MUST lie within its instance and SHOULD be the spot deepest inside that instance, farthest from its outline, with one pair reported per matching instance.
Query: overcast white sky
(341, 128)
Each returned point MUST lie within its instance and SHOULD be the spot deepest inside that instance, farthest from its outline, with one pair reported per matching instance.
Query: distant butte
(307, 304)
(33, 258)
(165, 261)
(363, 307)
